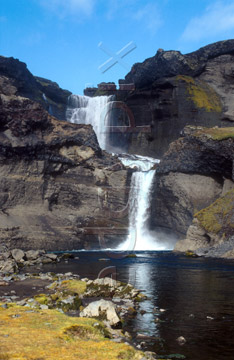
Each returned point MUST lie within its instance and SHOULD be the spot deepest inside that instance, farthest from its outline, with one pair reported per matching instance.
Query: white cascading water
(140, 237)
(90, 110)
(95, 111)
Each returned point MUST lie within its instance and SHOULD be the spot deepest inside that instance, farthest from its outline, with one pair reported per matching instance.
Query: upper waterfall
(91, 110)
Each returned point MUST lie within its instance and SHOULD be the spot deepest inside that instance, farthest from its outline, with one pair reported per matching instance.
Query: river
(197, 295)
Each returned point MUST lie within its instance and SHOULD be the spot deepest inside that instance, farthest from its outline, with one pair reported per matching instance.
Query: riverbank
(50, 316)
(186, 296)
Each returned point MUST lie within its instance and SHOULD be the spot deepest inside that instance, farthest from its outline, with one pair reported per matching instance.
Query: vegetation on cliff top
(218, 218)
(201, 94)
(215, 133)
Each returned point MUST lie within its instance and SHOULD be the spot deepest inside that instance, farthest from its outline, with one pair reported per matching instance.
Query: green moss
(70, 286)
(203, 96)
(97, 290)
(188, 79)
(216, 133)
(140, 297)
(42, 299)
(190, 254)
(218, 217)
(84, 331)
(54, 297)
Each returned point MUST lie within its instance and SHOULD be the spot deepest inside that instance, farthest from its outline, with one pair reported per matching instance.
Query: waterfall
(140, 237)
(91, 110)
(96, 111)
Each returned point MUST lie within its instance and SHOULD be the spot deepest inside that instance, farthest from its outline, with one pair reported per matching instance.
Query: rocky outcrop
(16, 79)
(172, 63)
(174, 90)
(212, 230)
(58, 190)
(194, 173)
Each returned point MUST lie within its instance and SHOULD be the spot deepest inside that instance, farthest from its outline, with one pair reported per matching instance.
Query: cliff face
(58, 190)
(16, 79)
(174, 90)
(194, 188)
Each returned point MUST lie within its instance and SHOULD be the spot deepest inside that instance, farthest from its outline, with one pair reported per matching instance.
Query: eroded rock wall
(174, 90)
(58, 189)
(195, 172)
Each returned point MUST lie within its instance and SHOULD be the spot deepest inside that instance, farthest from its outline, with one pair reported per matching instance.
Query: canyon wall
(58, 189)
(193, 192)
(173, 90)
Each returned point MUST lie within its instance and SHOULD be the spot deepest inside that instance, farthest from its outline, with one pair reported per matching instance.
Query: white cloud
(150, 15)
(69, 7)
(217, 19)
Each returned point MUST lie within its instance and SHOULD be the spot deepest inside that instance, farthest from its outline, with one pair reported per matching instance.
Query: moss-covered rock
(66, 295)
(212, 230)
(203, 96)
(214, 133)
(218, 218)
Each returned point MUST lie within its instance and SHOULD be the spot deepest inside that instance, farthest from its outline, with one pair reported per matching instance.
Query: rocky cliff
(174, 90)
(16, 79)
(194, 188)
(58, 189)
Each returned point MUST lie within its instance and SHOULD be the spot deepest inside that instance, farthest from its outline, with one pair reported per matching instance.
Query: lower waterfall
(140, 237)
(95, 111)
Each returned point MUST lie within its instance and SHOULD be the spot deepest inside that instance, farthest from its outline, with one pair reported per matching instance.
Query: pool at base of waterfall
(188, 297)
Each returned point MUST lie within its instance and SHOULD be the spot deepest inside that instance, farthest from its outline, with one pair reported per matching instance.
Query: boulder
(53, 257)
(8, 267)
(17, 254)
(32, 254)
(102, 308)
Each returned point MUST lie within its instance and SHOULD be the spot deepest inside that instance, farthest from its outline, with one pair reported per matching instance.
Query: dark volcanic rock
(196, 170)
(58, 190)
(16, 79)
(172, 63)
(202, 151)
(175, 90)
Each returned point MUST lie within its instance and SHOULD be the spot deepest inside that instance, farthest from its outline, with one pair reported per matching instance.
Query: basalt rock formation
(16, 79)
(194, 189)
(171, 63)
(174, 90)
(58, 189)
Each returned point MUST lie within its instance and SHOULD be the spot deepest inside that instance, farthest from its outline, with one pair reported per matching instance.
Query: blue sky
(58, 39)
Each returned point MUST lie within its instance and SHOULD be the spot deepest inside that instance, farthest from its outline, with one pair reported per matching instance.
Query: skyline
(60, 39)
